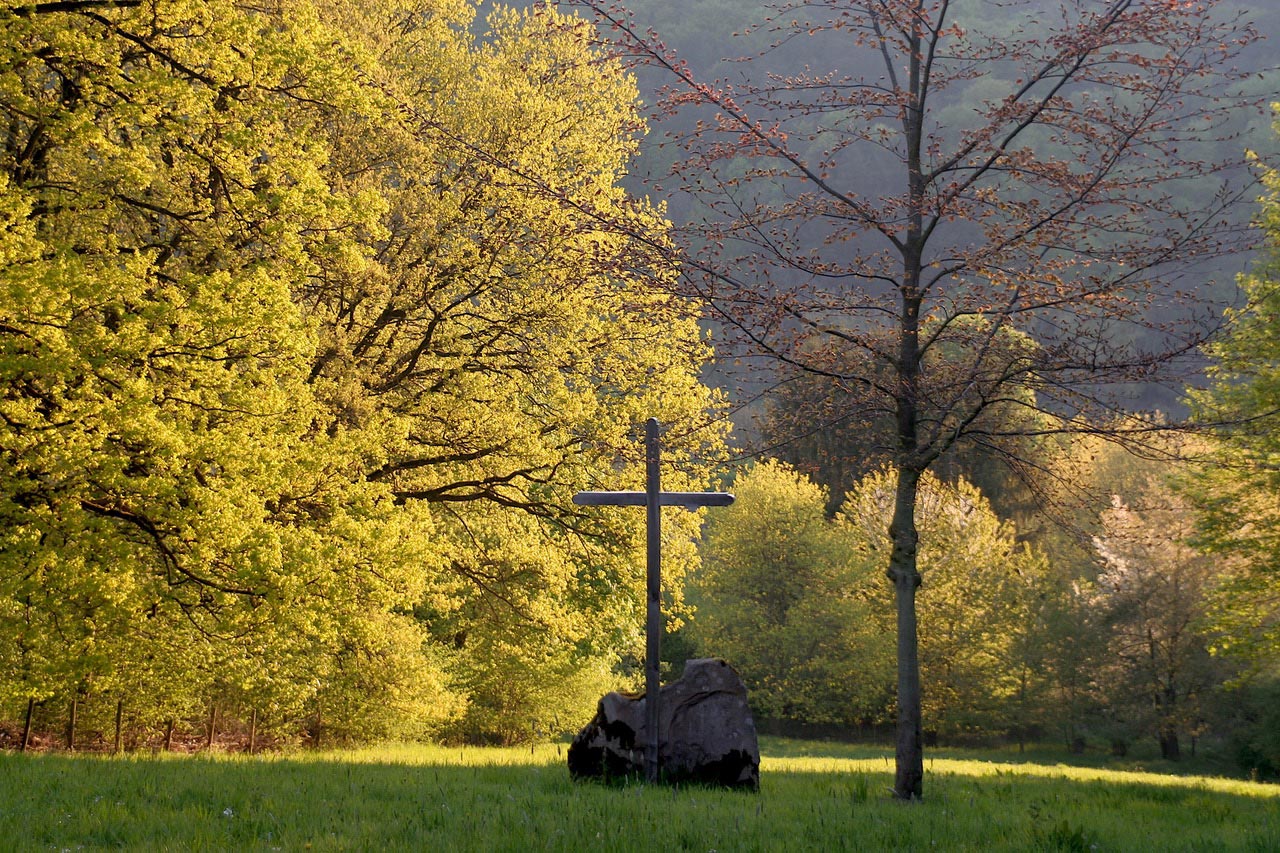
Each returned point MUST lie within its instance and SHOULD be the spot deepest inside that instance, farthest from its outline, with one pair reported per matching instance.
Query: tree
(1236, 496)
(1153, 591)
(163, 488)
(306, 341)
(844, 211)
(783, 595)
(496, 343)
(788, 597)
(979, 598)
(830, 431)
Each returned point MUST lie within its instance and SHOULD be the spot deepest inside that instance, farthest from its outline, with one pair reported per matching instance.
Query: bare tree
(1006, 216)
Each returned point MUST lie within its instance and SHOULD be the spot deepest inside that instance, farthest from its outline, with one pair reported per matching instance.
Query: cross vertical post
(653, 577)
(653, 499)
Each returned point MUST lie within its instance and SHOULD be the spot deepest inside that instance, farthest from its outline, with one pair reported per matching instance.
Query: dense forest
(315, 314)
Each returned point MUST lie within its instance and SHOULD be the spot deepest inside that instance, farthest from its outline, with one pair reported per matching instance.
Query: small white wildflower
(227, 812)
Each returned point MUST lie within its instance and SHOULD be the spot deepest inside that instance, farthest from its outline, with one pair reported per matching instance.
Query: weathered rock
(707, 734)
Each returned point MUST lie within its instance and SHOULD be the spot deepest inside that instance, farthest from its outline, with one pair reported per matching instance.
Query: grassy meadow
(812, 797)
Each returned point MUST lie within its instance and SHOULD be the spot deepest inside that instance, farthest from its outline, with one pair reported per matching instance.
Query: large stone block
(707, 735)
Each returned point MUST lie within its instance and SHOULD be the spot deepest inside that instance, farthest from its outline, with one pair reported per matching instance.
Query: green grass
(812, 797)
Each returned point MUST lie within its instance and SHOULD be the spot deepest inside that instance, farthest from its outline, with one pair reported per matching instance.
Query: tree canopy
(784, 597)
(309, 328)
(1240, 516)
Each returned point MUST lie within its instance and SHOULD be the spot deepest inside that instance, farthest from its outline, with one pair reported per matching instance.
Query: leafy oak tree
(849, 211)
(163, 485)
(499, 340)
(306, 341)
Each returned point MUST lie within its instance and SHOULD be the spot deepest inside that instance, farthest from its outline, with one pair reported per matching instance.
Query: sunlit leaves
(313, 317)
(787, 598)
(977, 596)
(1240, 515)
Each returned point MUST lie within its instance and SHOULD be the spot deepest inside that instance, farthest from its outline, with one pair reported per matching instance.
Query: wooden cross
(653, 499)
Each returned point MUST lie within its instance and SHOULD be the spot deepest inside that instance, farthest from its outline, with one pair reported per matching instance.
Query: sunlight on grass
(977, 768)
(416, 797)
(435, 755)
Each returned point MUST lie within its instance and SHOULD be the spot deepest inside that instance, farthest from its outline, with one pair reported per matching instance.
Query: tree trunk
(26, 726)
(253, 731)
(119, 744)
(213, 722)
(909, 778)
(1022, 710)
(1169, 748)
(168, 735)
(71, 725)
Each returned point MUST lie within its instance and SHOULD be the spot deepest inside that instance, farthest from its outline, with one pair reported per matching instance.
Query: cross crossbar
(688, 500)
(653, 499)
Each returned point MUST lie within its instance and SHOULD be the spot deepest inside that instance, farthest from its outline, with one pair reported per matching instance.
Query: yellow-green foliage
(783, 596)
(800, 604)
(170, 520)
(309, 329)
(976, 597)
(1238, 497)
